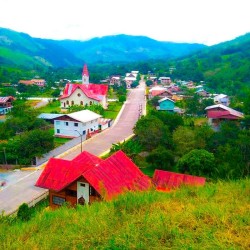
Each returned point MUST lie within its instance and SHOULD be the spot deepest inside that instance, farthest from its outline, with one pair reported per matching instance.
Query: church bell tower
(85, 75)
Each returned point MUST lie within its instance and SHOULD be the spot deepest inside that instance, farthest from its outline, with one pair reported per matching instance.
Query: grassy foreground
(214, 217)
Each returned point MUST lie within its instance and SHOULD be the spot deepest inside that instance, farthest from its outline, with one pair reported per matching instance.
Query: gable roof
(116, 175)
(92, 91)
(84, 115)
(60, 173)
(165, 99)
(85, 71)
(220, 111)
(165, 180)
(4, 99)
(109, 177)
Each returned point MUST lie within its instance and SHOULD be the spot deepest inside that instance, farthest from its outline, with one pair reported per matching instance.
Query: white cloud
(202, 21)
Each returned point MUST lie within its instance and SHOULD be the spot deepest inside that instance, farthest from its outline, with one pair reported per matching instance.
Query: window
(70, 192)
(82, 184)
(58, 131)
(67, 102)
(76, 124)
(84, 132)
(81, 103)
(66, 123)
(78, 94)
(58, 200)
(72, 102)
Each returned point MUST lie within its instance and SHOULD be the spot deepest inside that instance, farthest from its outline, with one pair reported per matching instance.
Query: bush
(24, 213)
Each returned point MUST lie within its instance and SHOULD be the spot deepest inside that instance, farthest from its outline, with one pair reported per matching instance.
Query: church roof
(91, 90)
(85, 71)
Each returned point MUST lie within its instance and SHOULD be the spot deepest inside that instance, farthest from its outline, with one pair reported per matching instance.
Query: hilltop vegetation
(212, 217)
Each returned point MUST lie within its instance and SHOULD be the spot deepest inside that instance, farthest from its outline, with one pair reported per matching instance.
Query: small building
(48, 117)
(165, 80)
(87, 179)
(6, 104)
(166, 181)
(166, 104)
(37, 82)
(219, 112)
(72, 125)
(115, 80)
(221, 99)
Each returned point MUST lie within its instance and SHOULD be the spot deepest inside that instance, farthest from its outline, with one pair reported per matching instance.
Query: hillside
(224, 66)
(213, 217)
(124, 48)
(20, 49)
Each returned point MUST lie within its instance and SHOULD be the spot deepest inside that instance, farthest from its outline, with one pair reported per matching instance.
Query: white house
(72, 125)
(221, 99)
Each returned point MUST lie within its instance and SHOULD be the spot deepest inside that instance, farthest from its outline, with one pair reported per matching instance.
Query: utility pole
(5, 159)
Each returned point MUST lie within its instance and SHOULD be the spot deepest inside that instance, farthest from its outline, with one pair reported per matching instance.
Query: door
(82, 193)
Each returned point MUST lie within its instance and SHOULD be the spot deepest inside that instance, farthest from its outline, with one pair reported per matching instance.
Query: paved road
(24, 190)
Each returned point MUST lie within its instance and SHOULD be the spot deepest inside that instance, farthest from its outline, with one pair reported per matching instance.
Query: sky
(194, 21)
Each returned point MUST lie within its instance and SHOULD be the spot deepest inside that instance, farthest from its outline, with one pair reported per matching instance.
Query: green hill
(121, 48)
(222, 66)
(212, 217)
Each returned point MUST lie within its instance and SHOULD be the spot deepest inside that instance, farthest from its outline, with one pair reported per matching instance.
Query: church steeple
(85, 75)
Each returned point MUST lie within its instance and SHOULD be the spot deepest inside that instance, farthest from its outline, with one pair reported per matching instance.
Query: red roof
(165, 180)
(6, 99)
(59, 173)
(85, 71)
(116, 175)
(220, 111)
(93, 91)
(109, 177)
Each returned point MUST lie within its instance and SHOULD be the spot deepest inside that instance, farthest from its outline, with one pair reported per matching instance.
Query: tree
(184, 140)
(197, 162)
(149, 83)
(161, 158)
(151, 132)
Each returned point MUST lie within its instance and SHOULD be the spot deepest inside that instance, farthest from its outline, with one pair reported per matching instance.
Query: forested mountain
(222, 66)
(23, 50)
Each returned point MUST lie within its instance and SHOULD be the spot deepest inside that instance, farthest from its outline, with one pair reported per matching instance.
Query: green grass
(213, 217)
(53, 107)
(113, 110)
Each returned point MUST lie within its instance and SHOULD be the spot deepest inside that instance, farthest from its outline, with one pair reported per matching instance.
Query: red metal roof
(109, 177)
(93, 91)
(116, 175)
(85, 71)
(59, 173)
(165, 180)
(6, 99)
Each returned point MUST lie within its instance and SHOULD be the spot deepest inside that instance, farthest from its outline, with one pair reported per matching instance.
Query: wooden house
(87, 179)
(166, 104)
(219, 112)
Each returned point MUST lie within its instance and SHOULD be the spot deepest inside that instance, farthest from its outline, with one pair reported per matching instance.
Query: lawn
(113, 110)
(52, 107)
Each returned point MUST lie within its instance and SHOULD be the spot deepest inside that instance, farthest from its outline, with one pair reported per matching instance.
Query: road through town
(23, 190)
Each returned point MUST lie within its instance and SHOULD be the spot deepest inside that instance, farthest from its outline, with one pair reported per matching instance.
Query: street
(23, 190)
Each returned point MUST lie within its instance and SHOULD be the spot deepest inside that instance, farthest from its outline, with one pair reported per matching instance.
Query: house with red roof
(219, 112)
(87, 178)
(6, 104)
(166, 181)
(84, 93)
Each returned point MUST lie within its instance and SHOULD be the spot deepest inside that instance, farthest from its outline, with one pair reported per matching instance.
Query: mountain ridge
(63, 53)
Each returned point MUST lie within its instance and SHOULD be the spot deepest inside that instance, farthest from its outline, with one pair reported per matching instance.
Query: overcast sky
(201, 21)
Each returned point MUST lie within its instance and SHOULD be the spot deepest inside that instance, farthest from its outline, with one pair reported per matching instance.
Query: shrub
(24, 213)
